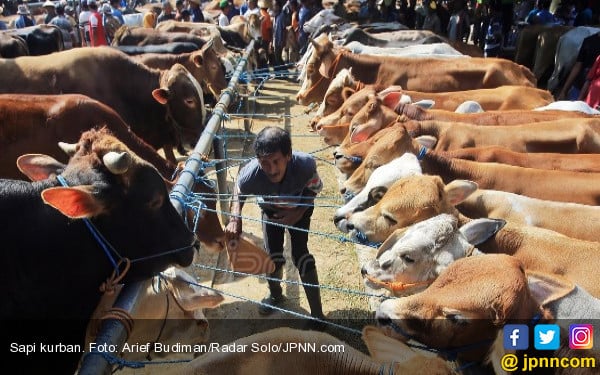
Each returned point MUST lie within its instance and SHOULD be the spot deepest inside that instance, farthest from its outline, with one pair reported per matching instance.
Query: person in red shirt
(590, 92)
(97, 32)
(266, 29)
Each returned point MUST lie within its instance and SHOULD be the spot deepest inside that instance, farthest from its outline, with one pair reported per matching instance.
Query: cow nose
(350, 226)
(363, 271)
(337, 218)
(337, 156)
(318, 127)
(343, 191)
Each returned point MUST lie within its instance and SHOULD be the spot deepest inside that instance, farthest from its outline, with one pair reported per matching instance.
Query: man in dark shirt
(286, 184)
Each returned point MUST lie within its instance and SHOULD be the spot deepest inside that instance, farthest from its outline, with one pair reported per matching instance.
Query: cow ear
(425, 103)
(546, 288)
(347, 92)
(459, 190)
(385, 349)
(376, 194)
(198, 59)
(360, 134)
(193, 297)
(75, 202)
(391, 240)
(39, 167)
(391, 99)
(480, 230)
(161, 95)
(427, 141)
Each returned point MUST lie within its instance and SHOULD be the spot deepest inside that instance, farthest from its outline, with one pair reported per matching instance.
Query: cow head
(464, 308)
(397, 142)
(209, 70)
(169, 311)
(334, 127)
(334, 97)
(124, 196)
(183, 97)
(372, 117)
(381, 179)
(254, 25)
(412, 257)
(408, 201)
(317, 67)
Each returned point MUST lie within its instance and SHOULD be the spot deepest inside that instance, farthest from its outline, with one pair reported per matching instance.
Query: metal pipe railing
(112, 332)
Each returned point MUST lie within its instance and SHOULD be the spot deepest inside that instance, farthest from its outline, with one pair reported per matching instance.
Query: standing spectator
(432, 21)
(64, 25)
(84, 23)
(178, 8)
(590, 92)
(3, 25)
(50, 10)
(97, 32)
(23, 20)
(115, 6)
(149, 20)
(252, 8)
(583, 14)
(542, 16)
(458, 26)
(278, 171)
(111, 24)
(279, 36)
(223, 20)
(304, 14)
(196, 14)
(588, 52)
(70, 14)
(166, 13)
(266, 32)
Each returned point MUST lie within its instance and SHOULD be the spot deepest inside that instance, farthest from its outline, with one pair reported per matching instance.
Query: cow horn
(117, 162)
(68, 148)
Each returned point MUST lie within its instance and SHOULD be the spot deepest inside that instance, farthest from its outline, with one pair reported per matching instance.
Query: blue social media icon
(516, 337)
(546, 337)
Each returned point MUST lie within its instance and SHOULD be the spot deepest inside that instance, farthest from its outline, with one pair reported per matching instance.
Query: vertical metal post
(219, 152)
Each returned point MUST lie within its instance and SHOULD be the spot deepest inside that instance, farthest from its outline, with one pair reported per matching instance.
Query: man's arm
(570, 79)
(234, 226)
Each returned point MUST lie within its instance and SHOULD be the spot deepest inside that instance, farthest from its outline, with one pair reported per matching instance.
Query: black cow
(41, 39)
(12, 46)
(53, 266)
(173, 48)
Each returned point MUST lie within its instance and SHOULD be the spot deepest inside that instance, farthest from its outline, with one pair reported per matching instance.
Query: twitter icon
(546, 336)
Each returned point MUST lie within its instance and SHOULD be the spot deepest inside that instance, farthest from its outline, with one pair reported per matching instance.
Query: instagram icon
(581, 336)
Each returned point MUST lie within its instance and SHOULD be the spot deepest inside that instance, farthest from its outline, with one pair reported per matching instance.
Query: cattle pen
(345, 300)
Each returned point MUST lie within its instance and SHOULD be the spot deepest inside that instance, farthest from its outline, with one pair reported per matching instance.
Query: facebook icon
(516, 337)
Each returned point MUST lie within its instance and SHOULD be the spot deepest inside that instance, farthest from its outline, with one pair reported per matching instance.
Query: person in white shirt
(252, 8)
(225, 7)
(84, 23)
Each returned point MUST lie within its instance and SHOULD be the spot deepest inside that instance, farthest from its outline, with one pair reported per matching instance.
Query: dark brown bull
(163, 107)
(41, 39)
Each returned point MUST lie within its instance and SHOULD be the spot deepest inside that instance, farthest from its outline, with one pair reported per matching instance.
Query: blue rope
(292, 282)
(422, 153)
(105, 245)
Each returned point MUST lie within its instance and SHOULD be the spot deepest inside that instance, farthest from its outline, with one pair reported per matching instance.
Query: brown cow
(142, 36)
(451, 317)
(163, 107)
(203, 64)
(539, 160)
(37, 123)
(423, 74)
(374, 116)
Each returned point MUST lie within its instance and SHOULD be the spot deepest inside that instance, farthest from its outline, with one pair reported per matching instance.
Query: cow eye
(389, 218)
(155, 202)
(407, 259)
(386, 265)
(190, 102)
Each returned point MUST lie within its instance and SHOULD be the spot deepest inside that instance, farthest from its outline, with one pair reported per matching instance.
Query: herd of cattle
(478, 188)
(428, 182)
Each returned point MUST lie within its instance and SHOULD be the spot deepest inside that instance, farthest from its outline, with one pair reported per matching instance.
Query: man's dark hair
(272, 139)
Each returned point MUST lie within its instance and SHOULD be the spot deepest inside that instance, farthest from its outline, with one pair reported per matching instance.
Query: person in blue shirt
(543, 15)
(116, 12)
(304, 14)
(286, 183)
(196, 14)
(24, 20)
(584, 14)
